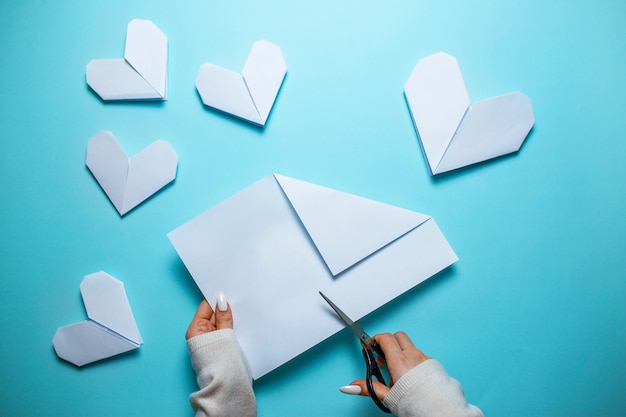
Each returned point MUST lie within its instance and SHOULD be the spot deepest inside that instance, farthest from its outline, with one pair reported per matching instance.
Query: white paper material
(251, 94)
(452, 133)
(110, 330)
(129, 181)
(342, 236)
(261, 248)
(141, 75)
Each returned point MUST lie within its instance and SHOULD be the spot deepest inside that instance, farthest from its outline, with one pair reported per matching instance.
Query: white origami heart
(141, 75)
(110, 330)
(129, 181)
(454, 135)
(250, 94)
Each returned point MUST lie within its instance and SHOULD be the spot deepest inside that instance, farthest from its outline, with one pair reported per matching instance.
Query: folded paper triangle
(344, 227)
(110, 330)
(146, 52)
(87, 342)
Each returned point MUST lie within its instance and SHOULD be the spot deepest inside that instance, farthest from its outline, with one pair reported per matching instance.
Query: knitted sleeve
(223, 376)
(427, 390)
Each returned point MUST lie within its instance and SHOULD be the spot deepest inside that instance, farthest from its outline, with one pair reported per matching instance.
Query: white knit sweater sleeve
(223, 376)
(428, 391)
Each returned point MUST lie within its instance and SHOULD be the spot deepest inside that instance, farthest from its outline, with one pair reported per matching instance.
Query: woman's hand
(206, 320)
(401, 356)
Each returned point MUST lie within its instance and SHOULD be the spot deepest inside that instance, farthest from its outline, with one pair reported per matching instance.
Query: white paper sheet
(452, 133)
(110, 330)
(251, 94)
(129, 181)
(258, 247)
(141, 74)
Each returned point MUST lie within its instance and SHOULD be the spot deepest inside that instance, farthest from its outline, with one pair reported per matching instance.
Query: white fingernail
(222, 304)
(351, 389)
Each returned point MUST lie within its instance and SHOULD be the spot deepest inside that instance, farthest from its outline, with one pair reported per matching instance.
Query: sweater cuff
(213, 353)
(413, 377)
(416, 377)
(428, 390)
(207, 339)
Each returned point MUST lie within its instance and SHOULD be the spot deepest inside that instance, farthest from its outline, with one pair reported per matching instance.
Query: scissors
(370, 347)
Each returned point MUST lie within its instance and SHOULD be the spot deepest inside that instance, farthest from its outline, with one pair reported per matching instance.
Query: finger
(388, 344)
(204, 311)
(409, 348)
(404, 341)
(380, 361)
(359, 387)
(223, 313)
(201, 322)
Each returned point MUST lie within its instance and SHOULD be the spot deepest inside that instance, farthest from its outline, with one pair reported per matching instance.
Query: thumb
(359, 387)
(223, 313)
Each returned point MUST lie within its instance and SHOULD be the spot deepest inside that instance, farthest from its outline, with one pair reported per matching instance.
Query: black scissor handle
(373, 371)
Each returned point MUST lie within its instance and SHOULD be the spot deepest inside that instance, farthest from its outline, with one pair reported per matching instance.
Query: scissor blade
(355, 327)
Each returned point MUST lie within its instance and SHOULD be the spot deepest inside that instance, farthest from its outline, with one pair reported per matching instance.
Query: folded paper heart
(454, 135)
(274, 245)
(110, 330)
(250, 94)
(129, 181)
(141, 74)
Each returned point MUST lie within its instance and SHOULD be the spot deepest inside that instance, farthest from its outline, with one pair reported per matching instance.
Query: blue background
(531, 319)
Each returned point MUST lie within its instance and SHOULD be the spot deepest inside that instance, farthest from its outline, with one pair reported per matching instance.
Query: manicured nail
(351, 389)
(222, 304)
